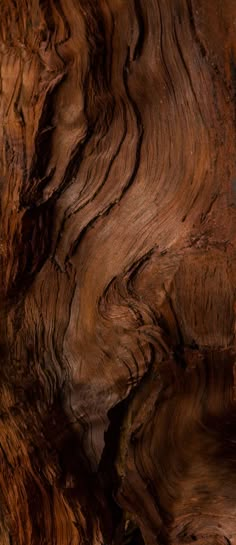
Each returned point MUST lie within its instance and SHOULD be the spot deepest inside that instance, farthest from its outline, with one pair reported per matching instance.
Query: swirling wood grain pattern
(117, 272)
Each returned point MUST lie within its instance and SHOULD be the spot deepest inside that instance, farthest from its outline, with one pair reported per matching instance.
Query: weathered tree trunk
(118, 272)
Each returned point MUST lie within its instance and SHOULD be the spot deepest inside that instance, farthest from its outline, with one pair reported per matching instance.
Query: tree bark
(117, 272)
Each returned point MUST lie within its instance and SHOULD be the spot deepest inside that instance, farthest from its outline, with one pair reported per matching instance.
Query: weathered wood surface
(117, 242)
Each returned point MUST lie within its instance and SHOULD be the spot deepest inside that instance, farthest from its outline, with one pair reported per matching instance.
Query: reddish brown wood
(117, 272)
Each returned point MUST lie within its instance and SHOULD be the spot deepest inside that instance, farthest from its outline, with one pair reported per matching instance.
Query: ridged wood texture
(117, 272)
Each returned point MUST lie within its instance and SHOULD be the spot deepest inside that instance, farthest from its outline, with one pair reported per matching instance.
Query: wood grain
(117, 272)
